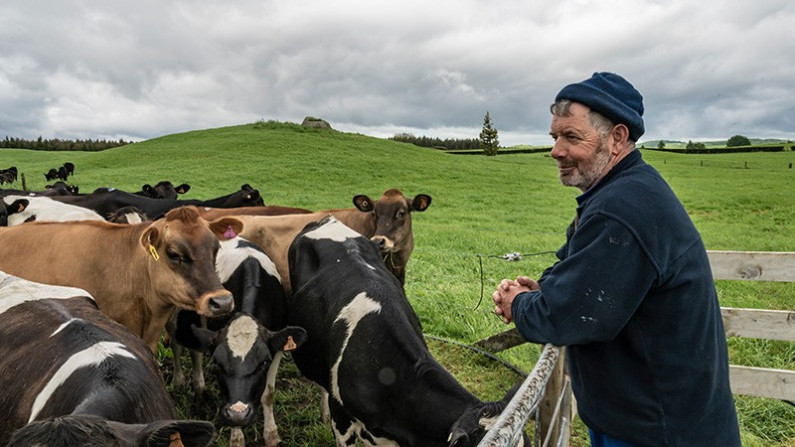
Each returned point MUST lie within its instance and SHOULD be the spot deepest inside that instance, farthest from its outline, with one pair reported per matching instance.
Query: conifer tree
(488, 137)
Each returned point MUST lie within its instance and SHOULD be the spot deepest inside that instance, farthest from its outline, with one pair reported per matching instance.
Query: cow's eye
(401, 214)
(174, 256)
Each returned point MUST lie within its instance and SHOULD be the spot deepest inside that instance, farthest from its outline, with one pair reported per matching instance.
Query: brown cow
(137, 273)
(386, 221)
(209, 213)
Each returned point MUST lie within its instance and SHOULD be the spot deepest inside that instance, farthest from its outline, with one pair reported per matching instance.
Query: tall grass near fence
(482, 207)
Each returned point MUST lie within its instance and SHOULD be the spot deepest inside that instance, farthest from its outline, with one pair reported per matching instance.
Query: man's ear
(620, 137)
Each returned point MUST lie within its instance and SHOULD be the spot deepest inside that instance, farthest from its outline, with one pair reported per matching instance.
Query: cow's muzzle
(384, 243)
(216, 303)
(238, 414)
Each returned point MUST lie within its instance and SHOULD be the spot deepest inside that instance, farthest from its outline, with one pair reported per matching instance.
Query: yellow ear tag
(290, 345)
(153, 250)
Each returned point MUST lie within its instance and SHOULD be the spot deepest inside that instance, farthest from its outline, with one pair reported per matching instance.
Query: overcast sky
(145, 68)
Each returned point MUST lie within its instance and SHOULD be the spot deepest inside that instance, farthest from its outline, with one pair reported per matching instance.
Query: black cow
(70, 168)
(107, 201)
(60, 188)
(163, 190)
(52, 174)
(68, 368)
(245, 352)
(17, 206)
(365, 348)
(8, 175)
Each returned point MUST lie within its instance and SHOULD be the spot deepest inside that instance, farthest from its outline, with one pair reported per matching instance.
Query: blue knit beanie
(611, 96)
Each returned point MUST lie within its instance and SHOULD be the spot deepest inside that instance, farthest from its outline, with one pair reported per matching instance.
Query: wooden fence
(554, 411)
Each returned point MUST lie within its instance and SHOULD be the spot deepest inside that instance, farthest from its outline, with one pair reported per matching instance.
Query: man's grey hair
(602, 125)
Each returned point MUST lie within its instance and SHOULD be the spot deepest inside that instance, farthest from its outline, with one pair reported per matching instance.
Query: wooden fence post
(548, 421)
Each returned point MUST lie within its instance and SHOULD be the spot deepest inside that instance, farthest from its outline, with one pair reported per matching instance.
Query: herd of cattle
(97, 278)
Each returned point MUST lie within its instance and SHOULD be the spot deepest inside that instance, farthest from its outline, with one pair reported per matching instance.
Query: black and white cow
(45, 209)
(365, 348)
(68, 368)
(245, 351)
(11, 208)
(163, 190)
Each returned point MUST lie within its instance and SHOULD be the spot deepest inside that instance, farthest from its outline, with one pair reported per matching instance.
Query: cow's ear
(165, 433)
(207, 338)
(226, 228)
(183, 188)
(421, 202)
(363, 203)
(287, 339)
(458, 437)
(150, 238)
(18, 206)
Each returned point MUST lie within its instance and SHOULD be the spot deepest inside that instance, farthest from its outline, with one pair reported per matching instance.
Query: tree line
(57, 144)
(438, 143)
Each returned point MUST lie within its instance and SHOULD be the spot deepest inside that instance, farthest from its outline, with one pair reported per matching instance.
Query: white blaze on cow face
(17, 291)
(358, 308)
(91, 356)
(241, 336)
(333, 230)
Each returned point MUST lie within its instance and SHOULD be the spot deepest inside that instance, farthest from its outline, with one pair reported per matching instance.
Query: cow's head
(17, 206)
(164, 190)
(249, 196)
(392, 219)
(182, 248)
(242, 353)
(93, 431)
(471, 427)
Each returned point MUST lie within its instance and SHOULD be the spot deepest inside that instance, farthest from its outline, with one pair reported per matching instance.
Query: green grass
(481, 206)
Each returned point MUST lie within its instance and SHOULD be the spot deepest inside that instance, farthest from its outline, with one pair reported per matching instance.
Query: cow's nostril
(221, 304)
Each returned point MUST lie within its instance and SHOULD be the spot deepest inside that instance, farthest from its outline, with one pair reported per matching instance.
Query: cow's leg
(236, 438)
(270, 431)
(325, 413)
(341, 425)
(178, 380)
(198, 371)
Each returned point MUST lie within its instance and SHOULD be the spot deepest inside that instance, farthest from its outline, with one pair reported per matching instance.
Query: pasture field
(482, 207)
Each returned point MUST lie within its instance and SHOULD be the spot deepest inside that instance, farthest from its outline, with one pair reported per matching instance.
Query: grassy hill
(485, 206)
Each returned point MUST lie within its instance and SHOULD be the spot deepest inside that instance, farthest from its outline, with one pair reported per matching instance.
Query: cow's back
(61, 356)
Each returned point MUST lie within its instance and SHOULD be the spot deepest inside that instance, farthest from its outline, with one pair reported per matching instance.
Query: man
(632, 295)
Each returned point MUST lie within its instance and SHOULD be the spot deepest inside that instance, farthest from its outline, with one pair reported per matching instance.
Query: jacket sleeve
(590, 294)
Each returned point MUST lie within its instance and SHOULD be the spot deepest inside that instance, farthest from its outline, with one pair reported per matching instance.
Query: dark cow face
(165, 190)
(249, 196)
(183, 248)
(17, 206)
(242, 353)
(392, 213)
(91, 431)
(473, 424)
(392, 221)
(52, 174)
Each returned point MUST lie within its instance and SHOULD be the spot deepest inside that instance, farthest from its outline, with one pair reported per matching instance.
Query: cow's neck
(136, 303)
(359, 221)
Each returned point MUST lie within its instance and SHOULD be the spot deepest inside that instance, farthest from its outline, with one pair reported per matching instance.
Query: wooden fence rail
(747, 323)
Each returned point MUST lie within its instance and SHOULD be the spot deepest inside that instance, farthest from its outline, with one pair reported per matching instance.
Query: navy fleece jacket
(632, 296)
